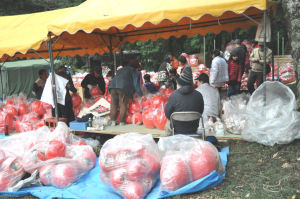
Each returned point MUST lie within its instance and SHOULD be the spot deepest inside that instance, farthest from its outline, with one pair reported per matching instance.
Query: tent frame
(110, 48)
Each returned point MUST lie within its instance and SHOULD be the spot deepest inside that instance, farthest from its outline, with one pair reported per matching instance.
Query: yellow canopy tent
(103, 25)
(142, 19)
(98, 26)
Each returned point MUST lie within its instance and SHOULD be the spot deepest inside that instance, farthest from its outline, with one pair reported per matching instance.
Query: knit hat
(186, 78)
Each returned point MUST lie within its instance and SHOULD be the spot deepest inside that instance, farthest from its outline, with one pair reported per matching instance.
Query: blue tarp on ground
(90, 186)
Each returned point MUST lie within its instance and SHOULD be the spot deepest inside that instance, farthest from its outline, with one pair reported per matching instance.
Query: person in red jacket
(234, 73)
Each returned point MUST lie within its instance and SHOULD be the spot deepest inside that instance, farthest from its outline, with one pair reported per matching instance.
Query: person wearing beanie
(185, 98)
(211, 98)
(234, 70)
(123, 86)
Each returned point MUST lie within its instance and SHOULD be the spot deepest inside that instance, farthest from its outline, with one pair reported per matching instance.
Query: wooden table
(156, 133)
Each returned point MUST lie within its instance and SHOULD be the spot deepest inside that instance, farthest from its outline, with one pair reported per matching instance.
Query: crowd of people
(205, 99)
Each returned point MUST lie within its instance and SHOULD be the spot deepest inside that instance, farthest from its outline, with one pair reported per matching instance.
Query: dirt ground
(256, 171)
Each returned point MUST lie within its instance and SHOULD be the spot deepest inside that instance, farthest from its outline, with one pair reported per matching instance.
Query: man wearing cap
(257, 66)
(218, 71)
(94, 79)
(185, 98)
(211, 97)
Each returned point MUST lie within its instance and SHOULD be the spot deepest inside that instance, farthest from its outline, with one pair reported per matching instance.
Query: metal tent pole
(2, 89)
(204, 50)
(265, 61)
(115, 63)
(53, 77)
(265, 35)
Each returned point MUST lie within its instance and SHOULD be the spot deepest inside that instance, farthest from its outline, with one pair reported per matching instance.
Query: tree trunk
(292, 17)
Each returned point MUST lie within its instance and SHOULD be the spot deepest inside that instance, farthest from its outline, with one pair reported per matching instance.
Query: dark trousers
(233, 89)
(65, 111)
(118, 96)
(253, 76)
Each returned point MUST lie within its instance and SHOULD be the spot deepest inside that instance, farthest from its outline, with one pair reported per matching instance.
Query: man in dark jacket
(92, 80)
(240, 50)
(185, 98)
(122, 87)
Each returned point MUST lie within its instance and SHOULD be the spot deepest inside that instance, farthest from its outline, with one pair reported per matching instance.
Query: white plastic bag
(272, 119)
(234, 116)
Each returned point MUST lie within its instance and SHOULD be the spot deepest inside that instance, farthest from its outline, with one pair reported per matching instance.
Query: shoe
(122, 124)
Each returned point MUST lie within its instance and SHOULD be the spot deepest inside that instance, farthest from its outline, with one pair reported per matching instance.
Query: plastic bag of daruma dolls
(130, 164)
(186, 160)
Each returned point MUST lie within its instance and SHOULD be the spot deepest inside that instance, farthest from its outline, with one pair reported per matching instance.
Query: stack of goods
(130, 164)
(20, 115)
(148, 110)
(186, 160)
(287, 74)
(244, 82)
(60, 157)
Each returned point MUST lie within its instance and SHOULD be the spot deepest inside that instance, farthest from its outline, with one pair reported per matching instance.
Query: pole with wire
(53, 83)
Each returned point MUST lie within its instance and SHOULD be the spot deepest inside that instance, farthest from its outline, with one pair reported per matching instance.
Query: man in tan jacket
(257, 66)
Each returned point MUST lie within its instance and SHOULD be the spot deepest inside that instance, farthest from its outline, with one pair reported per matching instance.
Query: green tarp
(19, 76)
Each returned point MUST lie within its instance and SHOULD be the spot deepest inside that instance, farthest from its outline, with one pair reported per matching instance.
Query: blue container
(78, 125)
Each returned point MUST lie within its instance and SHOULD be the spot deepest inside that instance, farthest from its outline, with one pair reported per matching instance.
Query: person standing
(257, 66)
(66, 111)
(218, 71)
(183, 63)
(171, 82)
(234, 70)
(240, 50)
(185, 98)
(122, 87)
(211, 98)
(174, 61)
(39, 84)
(163, 73)
(94, 79)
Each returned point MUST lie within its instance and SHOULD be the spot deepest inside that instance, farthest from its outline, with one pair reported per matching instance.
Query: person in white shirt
(211, 98)
(218, 71)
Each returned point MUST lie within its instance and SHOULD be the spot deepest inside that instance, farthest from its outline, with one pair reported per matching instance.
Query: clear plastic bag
(130, 164)
(186, 160)
(60, 157)
(234, 116)
(11, 171)
(272, 120)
